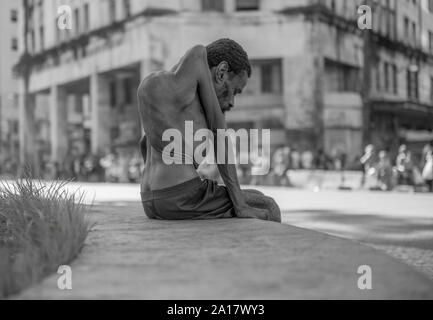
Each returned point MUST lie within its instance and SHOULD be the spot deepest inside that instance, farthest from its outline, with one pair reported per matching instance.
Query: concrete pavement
(129, 257)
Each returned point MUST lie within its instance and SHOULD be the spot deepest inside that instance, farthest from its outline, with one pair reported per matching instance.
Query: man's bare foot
(257, 200)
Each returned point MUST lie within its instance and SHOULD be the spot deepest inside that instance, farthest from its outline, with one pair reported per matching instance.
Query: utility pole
(368, 52)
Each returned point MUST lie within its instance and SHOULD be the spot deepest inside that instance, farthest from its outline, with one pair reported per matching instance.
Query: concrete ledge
(129, 257)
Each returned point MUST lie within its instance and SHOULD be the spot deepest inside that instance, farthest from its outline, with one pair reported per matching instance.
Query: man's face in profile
(231, 85)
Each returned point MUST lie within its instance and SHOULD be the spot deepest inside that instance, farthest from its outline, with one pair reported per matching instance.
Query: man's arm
(195, 66)
(193, 71)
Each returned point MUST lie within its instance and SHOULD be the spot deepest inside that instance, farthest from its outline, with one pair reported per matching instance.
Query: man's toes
(274, 211)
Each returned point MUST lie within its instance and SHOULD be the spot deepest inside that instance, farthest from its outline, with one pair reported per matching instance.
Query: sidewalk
(128, 256)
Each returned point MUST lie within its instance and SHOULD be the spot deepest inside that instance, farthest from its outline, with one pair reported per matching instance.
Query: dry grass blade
(42, 226)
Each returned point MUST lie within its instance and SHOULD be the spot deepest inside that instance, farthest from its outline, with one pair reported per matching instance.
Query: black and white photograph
(216, 154)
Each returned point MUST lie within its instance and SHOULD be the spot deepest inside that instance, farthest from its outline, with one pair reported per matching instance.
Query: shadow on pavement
(371, 228)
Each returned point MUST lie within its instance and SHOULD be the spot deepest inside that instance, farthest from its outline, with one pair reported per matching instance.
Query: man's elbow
(141, 91)
(199, 51)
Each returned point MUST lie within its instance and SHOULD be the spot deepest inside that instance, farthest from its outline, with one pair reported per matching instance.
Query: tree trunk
(30, 156)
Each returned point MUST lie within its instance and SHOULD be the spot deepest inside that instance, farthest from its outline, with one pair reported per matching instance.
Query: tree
(28, 154)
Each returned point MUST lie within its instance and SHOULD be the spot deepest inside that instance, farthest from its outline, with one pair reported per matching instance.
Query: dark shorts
(192, 200)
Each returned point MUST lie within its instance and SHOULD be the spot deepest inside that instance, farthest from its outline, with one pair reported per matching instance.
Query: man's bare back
(167, 100)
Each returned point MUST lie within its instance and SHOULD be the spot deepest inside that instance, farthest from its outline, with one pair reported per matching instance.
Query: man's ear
(222, 72)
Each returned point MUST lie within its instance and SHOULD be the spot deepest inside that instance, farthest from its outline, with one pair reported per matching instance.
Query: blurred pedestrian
(110, 163)
(134, 167)
(368, 161)
(307, 160)
(280, 167)
(404, 166)
(321, 162)
(425, 151)
(76, 167)
(295, 159)
(427, 173)
(384, 171)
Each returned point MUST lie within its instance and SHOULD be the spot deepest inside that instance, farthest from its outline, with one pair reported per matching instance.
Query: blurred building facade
(315, 82)
(8, 81)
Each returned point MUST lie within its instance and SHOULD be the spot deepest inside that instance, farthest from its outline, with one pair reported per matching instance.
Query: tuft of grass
(42, 226)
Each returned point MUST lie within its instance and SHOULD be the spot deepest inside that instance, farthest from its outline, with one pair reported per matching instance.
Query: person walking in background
(134, 168)
(427, 173)
(404, 166)
(322, 161)
(367, 161)
(76, 165)
(295, 159)
(307, 160)
(425, 151)
(384, 171)
(108, 163)
(280, 167)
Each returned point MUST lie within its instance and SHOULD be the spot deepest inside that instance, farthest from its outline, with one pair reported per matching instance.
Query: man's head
(230, 69)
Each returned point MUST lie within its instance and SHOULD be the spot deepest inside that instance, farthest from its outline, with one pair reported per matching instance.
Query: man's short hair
(231, 52)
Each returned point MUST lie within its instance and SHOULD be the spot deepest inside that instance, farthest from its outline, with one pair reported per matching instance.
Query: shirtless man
(200, 88)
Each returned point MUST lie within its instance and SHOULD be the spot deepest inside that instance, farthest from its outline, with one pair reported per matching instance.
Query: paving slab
(128, 256)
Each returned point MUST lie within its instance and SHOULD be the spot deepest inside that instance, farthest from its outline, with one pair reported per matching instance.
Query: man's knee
(253, 192)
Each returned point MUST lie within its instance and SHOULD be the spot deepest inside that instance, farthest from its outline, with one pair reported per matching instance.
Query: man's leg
(257, 199)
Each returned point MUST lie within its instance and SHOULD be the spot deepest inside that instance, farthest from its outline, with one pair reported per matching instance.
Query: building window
(333, 6)
(395, 79)
(245, 5)
(42, 37)
(406, 28)
(386, 76)
(14, 15)
(414, 35)
(412, 85)
(431, 89)
(390, 78)
(78, 106)
(33, 40)
(430, 41)
(270, 77)
(341, 77)
(14, 45)
(113, 94)
(378, 79)
(57, 31)
(114, 133)
(86, 17)
(77, 21)
(127, 8)
(266, 78)
(112, 11)
(213, 5)
(127, 90)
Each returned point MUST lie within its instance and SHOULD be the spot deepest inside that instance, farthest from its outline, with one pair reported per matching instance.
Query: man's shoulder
(154, 83)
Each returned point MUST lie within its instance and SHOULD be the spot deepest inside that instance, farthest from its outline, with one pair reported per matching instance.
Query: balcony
(343, 100)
